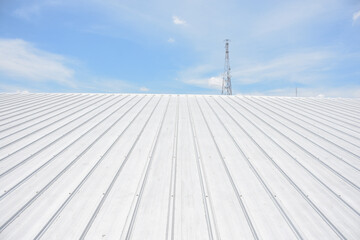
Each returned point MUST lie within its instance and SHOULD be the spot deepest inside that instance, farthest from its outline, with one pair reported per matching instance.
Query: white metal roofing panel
(110, 166)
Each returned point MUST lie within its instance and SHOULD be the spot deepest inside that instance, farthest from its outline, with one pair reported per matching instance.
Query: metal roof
(110, 166)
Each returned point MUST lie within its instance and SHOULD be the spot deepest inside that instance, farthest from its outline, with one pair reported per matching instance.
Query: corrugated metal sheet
(110, 166)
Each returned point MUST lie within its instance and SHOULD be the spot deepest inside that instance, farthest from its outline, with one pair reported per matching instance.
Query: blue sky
(158, 46)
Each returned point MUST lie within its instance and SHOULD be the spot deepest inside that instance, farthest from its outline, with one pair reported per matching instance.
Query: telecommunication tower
(226, 84)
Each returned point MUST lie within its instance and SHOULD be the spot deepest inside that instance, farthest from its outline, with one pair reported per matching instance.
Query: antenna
(226, 84)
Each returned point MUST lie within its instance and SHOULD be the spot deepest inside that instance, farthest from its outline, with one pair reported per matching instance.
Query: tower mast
(226, 84)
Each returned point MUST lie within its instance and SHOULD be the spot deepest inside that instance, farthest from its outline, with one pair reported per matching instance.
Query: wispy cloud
(171, 40)
(289, 14)
(20, 59)
(305, 68)
(356, 16)
(203, 76)
(209, 83)
(105, 84)
(264, 38)
(34, 9)
(178, 21)
(28, 12)
(353, 92)
(144, 89)
(15, 88)
(296, 67)
(25, 66)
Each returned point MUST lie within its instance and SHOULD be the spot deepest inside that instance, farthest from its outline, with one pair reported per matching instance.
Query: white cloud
(210, 83)
(11, 88)
(171, 40)
(25, 66)
(356, 16)
(144, 89)
(178, 21)
(19, 59)
(215, 82)
(201, 76)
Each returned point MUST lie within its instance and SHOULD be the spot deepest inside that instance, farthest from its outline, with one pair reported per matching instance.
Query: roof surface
(125, 166)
